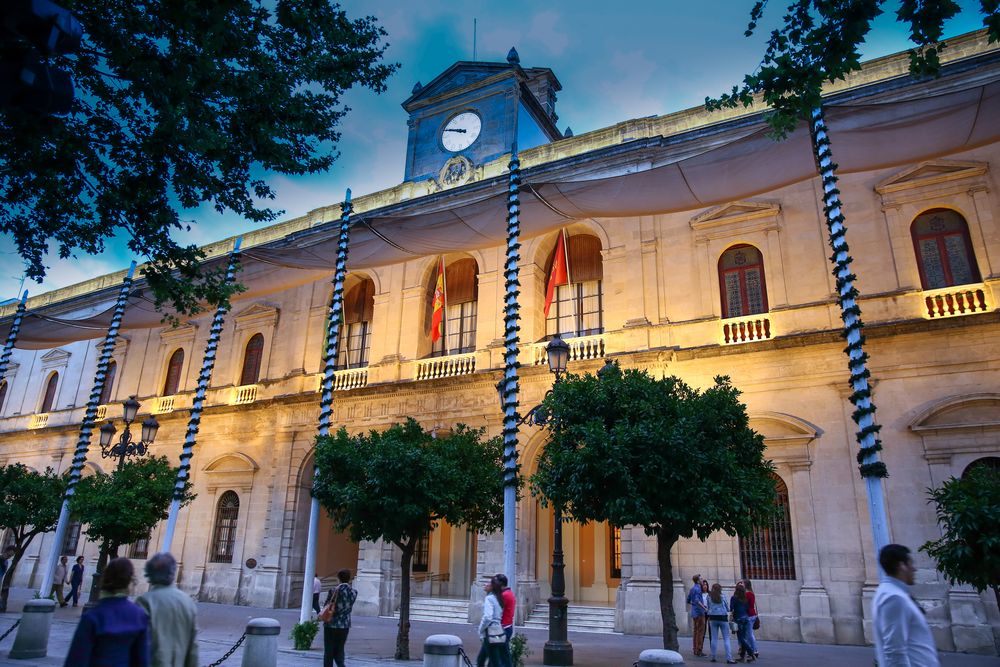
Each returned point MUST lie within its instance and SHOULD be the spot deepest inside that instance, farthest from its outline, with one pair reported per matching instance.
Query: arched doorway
(334, 550)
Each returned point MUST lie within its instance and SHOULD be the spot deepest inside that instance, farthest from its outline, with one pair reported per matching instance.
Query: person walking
(59, 580)
(341, 600)
(115, 633)
(76, 580)
(317, 588)
(718, 622)
(173, 616)
(507, 618)
(754, 617)
(740, 607)
(699, 617)
(491, 628)
(902, 636)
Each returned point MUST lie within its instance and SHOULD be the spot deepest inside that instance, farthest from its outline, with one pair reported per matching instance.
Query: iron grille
(767, 552)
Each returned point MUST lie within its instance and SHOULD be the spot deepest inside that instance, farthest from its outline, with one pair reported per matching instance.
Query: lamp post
(121, 450)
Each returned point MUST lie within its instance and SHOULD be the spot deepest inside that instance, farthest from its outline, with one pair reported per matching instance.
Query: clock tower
(472, 112)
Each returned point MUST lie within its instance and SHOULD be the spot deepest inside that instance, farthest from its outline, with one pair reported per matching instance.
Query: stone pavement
(372, 642)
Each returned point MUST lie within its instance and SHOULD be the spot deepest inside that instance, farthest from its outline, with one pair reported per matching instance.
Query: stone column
(815, 618)
(904, 259)
(639, 597)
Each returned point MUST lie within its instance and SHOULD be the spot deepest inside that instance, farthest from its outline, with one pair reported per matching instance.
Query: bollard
(442, 651)
(32, 640)
(652, 657)
(261, 648)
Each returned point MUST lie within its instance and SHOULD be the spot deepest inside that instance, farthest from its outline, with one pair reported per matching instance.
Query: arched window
(944, 249)
(461, 293)
(3, 394)
(355, 336)
(251, 360)
(109, 382)
(173, 381)
(72, 539)
(227, 514)
(991, 462)
(577, 303)
(49, 397)
(741, 280)
(767, 552)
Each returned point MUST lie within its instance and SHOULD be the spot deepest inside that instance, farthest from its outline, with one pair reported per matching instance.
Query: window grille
(227, 515)
(944, 249)
(741, 279)
(767, 553)
(139, 549)
(72, 539)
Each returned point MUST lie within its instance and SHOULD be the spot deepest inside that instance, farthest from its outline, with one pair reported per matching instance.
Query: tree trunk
(871, 468)
(8, 577)
(95, 580)
(403, 636)
(664, 543)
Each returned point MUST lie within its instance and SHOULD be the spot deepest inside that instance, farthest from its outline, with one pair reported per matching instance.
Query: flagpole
(194, 422)
(569, 276)
(444, 307)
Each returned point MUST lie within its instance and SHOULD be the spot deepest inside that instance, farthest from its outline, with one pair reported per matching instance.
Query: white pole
(15, 326)
(86, 428)
(872, 469)
(512, 310)
(204, 377)
(326, 398)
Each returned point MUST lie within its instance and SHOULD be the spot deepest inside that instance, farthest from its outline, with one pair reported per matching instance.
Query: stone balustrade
(581, 348)
(747, 329)
(443, 367)
(955, 301)
(243, 394)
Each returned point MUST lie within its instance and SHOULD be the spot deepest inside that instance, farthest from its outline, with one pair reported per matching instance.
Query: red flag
(559, 274)
(437, 315)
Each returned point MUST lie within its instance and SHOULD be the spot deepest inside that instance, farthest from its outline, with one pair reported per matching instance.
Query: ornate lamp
(557, 352)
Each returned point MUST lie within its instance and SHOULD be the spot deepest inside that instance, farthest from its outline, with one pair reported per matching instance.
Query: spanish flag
(559, 275)
(437, 314)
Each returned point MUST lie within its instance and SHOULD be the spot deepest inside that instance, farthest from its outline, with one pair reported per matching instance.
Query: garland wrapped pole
(509, 382)
(204, 377)
(326, 396)
(86, 428)
(15, 326)
(871, 468)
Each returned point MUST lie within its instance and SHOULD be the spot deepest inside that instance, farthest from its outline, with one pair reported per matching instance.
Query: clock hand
(455, 129)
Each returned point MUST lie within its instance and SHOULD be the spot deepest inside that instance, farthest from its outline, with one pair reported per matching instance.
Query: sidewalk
(372, 642)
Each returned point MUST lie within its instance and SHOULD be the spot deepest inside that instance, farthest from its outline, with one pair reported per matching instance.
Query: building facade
(740, 287)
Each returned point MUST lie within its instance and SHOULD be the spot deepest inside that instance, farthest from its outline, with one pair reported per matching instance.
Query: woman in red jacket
(754, 620)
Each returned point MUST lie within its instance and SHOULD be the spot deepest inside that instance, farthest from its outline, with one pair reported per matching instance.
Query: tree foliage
(29, 506)
(631, 449)
(124, 506)
(395, 485)
(180, 104)
(968, 511)
(819, 41)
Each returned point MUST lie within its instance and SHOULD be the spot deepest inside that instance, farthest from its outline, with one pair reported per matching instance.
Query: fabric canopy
(688, 172)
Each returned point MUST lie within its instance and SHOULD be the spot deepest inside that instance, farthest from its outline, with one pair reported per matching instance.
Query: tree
(630, 449)
(29, 506)
(123, 507)
(177, 105)
(819, 42)
(398, 484)
(968, 511)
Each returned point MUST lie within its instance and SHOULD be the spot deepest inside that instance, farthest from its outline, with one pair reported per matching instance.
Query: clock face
(461, 131)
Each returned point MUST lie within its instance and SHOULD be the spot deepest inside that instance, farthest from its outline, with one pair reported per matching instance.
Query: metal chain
(229, 652)
(465, 658)
(10, 630)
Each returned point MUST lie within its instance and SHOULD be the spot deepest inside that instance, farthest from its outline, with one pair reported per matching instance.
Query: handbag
(495, 634)
(734, 626)
(326, 615)
(756, 623)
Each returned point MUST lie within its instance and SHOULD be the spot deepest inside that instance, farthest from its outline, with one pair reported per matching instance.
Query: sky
(615, 61)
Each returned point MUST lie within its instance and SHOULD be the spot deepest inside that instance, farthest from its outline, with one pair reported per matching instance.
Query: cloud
(546, 31)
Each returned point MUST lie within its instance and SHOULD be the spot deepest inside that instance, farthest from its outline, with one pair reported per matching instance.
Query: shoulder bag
(326, 615)
(495, 634)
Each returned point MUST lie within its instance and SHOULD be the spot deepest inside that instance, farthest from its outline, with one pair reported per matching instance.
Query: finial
(512, 57)
(417, 87)
(568, 133)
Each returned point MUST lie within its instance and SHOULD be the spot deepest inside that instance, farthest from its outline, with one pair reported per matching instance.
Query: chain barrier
(10, 630)
(229, 652)
(465, 658)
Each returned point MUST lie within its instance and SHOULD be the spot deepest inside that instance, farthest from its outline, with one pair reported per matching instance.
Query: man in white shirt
(902, 636)
(59, 580)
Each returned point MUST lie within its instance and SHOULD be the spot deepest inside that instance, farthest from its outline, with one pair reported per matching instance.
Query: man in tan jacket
(172, 616)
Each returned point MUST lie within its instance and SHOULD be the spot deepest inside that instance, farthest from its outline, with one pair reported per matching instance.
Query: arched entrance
(334, 549)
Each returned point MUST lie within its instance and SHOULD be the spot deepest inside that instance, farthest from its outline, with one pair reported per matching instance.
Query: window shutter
(173, 381)
(585, 258)
(359, 304)
(109, 381)
(460, 281)
(251, 360)
(50, 393)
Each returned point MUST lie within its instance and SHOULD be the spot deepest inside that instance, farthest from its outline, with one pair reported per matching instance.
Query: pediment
(735, 218)
(778, 427)
(55, 357)
(179, 334)
(971, 412)
(259, 314)
(232, 462)
(931, 172)
(457, 76)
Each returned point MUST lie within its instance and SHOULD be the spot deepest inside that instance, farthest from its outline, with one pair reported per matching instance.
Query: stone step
(579, 618)
(438, 610)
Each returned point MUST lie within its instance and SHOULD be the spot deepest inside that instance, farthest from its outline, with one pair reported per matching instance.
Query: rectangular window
(72, 539)
(459, 329)
(616, 552)
(576, 310)
(139, 549)
(355, 343)
(422, 552)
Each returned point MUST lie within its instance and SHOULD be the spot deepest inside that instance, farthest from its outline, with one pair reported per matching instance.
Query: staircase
(438, 610)
(579, 618)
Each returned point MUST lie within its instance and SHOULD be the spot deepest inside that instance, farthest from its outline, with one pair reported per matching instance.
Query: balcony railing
(955, 301)
(163, 404)
(246, 393)
(747, 329)
(581, 348)
(40, 420)
(444, 367)
(345, 380)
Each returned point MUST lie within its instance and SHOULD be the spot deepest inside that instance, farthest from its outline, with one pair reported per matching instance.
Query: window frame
(49, 393)
(224, 529)
(939, 237)
(741, 272)
(170, 372)
(759, 558)
(252, 360)
(109, 381)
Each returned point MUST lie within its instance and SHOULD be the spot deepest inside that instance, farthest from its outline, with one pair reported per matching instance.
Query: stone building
(696, 247)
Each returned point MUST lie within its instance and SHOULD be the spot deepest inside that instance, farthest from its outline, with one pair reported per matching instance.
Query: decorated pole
(15, 326)
(872, 469)
(509, 383)
(86, 428)
(194, 422)
(326, 396)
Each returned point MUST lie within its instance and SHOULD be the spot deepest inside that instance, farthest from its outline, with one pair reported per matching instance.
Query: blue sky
(615, 60)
